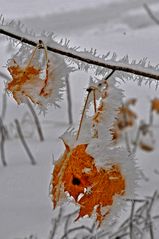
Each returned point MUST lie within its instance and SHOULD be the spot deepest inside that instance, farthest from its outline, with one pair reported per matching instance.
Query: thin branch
(2, 142)
(136, 141)
(67, 222)
(142, 208)
(149, 215)
(126, 132)
(131, 219)
(69, 101)
(66, 227)
(36, 120)
(56, 224)
(135, 200)
(21, 136)
(4, 98)
(151, 228)
(150, 13)
(151, 118)
(152, 202)
(110, 74)
(4, 105)
(117, 66)
(76, 229)
(94, 101)
(89, 90)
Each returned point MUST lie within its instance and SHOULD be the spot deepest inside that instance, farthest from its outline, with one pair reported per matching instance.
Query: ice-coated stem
(117, 66)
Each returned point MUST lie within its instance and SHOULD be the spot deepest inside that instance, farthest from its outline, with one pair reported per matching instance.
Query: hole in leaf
(76, 181)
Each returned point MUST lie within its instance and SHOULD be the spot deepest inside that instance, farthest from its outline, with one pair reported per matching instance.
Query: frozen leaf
(23, 81)
(39, 77)
(155, 105)
(92, 172)
(93, 188)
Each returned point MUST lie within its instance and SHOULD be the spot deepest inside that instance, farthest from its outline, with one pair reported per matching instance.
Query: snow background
(120, 26)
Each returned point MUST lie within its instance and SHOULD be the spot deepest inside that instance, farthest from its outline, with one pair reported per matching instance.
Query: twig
(151, 15)
(93, 226)
(131, 219)
(150, 117)
(66, 227)
(143, 175)
(83, 112)
(4, 105)
(56, 224)
(122, 235)
(142, 208)
(151, 228)
(156, 217)
(94, 101)
(110, 74)
(69, 101)
(117, 233)
(93, 236)
(4, 98)
(21, 136)
(67, 220)
(149, 215)
(126, 132)
(102, 234)
(93, 60)
(136, 200)
(136, 139)
(137, 231)
(36, 120)
(2, 142)
(76, 229)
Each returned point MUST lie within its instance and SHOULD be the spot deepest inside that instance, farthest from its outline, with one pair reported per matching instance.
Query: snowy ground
(120, 26)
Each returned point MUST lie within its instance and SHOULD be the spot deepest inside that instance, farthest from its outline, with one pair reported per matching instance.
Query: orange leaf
(104, 186)
(70, 171)
(77, 173)
(23, 77)
(155, 105)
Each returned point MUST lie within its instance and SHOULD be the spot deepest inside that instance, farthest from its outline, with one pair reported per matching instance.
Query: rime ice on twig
(141, 68)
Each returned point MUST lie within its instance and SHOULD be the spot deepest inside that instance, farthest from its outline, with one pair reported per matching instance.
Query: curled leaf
(40, 77)
(92, 188)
